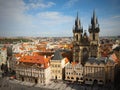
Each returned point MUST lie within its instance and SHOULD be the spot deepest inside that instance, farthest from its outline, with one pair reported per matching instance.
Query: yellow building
(58, 64)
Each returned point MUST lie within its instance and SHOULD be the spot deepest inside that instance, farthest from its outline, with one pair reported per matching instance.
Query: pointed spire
(77, 15)
(77, 21)
(94, 18)
(94, 23)
(94, 15)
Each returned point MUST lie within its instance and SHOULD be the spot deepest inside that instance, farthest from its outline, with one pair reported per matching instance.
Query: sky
(56, 18)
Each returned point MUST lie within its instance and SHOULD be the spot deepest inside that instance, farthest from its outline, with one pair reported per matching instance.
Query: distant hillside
(13, 40)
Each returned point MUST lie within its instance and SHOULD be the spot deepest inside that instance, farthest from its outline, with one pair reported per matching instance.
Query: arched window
(93, 36)
(95, 82)
(77, 79)
(76, 37)
(101, 81)
(68, 77)
(90, 80)
(81, 78)
(72, 78)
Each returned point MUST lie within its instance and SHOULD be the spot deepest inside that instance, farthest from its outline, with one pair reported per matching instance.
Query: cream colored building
(3, 55)
(110, 71)
(94, 72)
(58, 64)
(74, 72)
(99, 71)
(35, 71)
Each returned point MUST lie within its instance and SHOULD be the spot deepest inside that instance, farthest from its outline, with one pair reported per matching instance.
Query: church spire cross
(77, 21)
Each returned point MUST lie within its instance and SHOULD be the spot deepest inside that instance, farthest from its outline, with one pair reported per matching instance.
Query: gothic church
(85, 46)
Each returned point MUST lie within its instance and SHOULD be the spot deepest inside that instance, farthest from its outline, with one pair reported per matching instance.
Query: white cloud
(34, 4)
(117, 16)
(70, 3)
(54, 17)
(110, 26)
(15, 22)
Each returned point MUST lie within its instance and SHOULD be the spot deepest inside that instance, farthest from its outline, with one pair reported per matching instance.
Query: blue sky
(56, 17)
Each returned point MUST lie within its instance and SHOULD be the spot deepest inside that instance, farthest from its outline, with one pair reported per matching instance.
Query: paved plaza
(6, 84)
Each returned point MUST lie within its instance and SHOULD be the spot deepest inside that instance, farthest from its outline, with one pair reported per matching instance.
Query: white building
(74, 72)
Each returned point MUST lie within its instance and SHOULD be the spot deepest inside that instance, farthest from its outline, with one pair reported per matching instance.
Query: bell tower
(77, 34)
(94, 36)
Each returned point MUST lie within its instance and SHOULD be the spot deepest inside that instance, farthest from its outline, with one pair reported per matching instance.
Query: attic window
(42, 65)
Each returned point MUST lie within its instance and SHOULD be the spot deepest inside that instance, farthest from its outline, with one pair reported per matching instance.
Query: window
(90, 80)
(58, 71)
(68, 77)
(81, 78)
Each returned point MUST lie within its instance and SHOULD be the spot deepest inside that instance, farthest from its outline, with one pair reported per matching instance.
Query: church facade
(90, 67)
(85, 46)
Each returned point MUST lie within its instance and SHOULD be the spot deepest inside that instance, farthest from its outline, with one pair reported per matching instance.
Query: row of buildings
(42, 69)
(87, 65)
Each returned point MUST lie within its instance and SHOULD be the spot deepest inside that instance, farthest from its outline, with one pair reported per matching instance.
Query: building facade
(94, 72)
(74, 72)
(85, 46)
(58, 63)
(3, 55)
(33, 69)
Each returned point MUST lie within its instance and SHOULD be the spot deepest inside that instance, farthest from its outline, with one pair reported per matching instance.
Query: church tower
(77, 35)
(94, 36)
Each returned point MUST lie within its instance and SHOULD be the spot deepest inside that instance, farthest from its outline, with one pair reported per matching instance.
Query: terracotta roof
(35, 60)
(3, 48)
(18, 55)
(73, 63)
(114, 57)
(66, 60)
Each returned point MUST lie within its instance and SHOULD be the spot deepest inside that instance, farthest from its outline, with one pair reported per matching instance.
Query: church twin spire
(78, 27)
(77, 21)
(94, 27)
(94, 21)
(82, 43)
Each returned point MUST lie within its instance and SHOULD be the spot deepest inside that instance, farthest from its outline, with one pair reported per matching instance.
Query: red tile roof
(17, 55)
(66, 60)
(74, 63)
(35, 60)
(114, 57)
